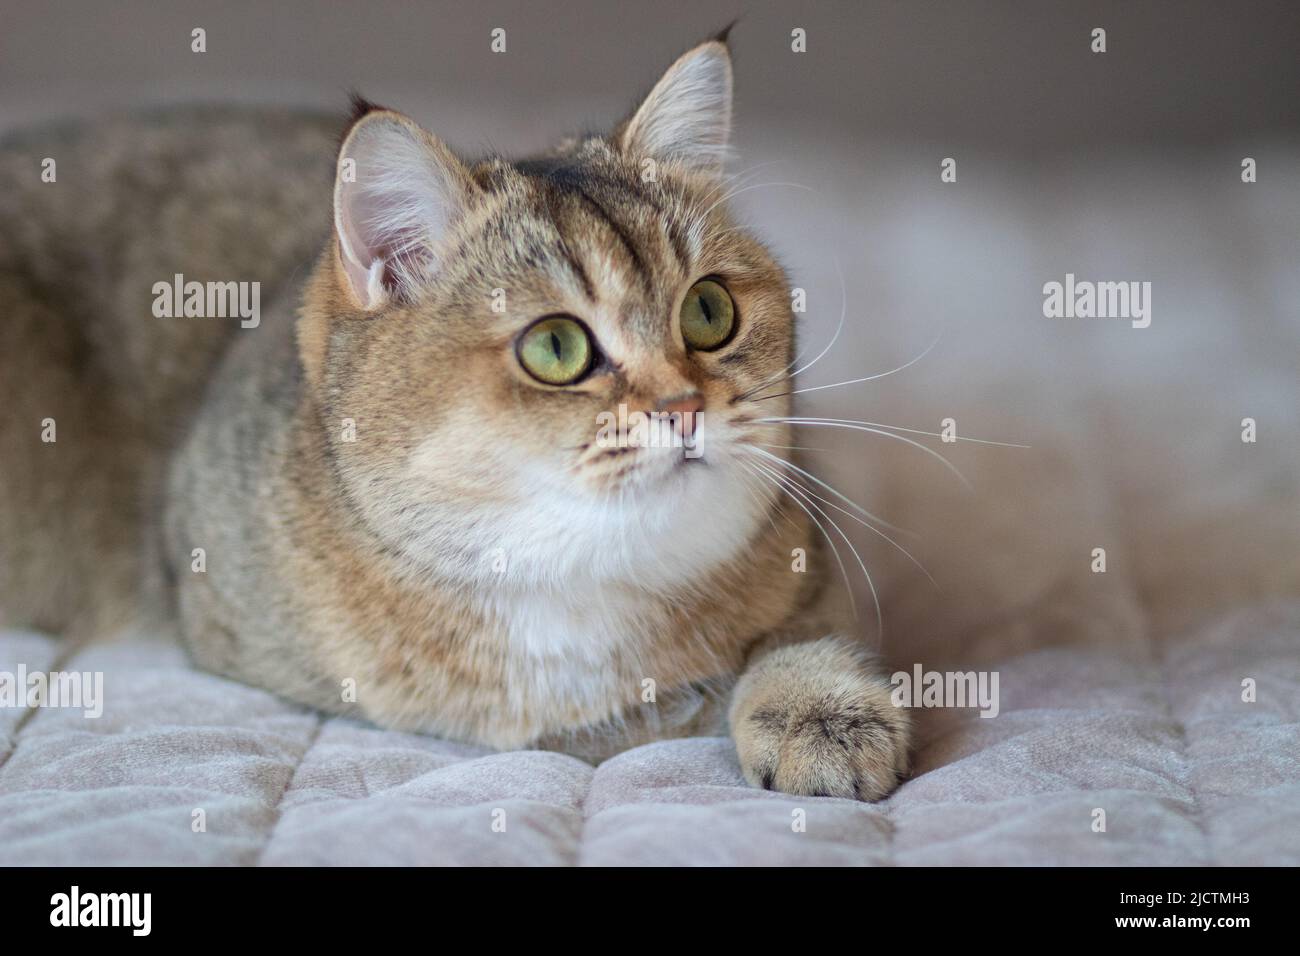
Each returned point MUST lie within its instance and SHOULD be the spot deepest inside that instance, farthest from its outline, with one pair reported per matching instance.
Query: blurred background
(1015, 76)
(1115, 166)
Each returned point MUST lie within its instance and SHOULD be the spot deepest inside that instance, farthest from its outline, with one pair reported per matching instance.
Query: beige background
(1116, 166)
(1007, 75)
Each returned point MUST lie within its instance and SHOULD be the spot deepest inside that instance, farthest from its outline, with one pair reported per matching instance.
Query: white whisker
(838, 494)
(733, 179)
(897, 428)
(919, 566)
(745, 189)
(877, 431)
(791, 486)
(785, 373)
(763, 444)
(856, 381)
(848, 585)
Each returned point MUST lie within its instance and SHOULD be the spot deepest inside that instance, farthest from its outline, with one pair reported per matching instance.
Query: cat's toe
(833, 749)
(817, 719)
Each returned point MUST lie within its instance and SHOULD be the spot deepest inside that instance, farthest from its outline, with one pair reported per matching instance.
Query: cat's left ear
(687, 116)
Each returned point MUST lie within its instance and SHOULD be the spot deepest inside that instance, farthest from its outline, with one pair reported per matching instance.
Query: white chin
(672, 526)
(697, 516)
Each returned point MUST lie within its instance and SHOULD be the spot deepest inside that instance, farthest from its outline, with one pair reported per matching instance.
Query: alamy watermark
(72, 689)
(208, 300)
(636, 429)
(1101, 300)
(133, 911)
(922, 688)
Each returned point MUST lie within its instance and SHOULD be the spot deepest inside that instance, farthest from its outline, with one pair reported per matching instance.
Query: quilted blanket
(186, 768)
(1132, 577)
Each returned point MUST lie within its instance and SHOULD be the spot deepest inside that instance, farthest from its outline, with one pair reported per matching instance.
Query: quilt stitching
(277, 806)
(1169, 726)
(58, 662)
(1184, 752)
(1155, 650)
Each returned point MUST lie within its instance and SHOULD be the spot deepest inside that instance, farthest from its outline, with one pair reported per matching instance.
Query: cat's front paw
(817, 719)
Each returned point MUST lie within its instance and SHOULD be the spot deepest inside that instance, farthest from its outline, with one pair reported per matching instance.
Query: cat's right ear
(687, 116)
(397, 192)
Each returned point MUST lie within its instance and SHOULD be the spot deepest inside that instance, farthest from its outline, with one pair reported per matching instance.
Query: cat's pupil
(555, 346)
(708, 313)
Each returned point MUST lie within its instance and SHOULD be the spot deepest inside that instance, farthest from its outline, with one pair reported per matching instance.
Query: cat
(388, 496)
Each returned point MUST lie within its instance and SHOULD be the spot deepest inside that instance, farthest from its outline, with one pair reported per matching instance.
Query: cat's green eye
(708, 316)
(556, 351)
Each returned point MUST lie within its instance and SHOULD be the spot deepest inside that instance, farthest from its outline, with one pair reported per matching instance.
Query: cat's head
(500, 333)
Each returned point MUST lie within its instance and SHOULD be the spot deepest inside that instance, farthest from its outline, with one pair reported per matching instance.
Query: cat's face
(509, 332)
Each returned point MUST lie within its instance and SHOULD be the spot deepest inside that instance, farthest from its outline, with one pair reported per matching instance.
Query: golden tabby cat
(399, 494)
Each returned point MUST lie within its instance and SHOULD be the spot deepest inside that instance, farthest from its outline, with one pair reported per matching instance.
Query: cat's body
(206, 193)
(375, 504)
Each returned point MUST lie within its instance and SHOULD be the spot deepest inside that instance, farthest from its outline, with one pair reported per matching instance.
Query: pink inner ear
(397, 209)
(380, 228)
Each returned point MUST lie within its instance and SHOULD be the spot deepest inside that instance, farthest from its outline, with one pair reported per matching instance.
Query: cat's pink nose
(686, 409)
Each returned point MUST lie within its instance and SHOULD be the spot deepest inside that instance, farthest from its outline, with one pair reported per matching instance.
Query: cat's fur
(473, 564)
